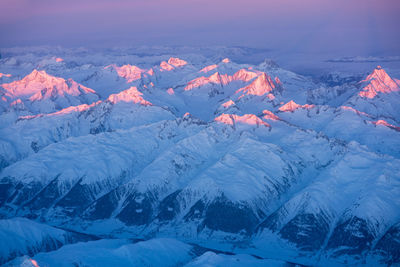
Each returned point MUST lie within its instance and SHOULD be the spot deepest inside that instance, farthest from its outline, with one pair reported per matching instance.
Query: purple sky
(347, 27)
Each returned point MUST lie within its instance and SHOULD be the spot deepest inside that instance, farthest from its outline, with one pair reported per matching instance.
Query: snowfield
(130, 158)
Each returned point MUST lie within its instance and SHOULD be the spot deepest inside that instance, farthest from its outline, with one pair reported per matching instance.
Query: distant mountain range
(197, 162)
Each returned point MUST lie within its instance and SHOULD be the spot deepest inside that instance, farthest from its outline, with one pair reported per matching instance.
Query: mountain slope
(249, 159)
(43, 93)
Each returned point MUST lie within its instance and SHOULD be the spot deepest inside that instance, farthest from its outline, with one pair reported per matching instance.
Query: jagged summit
(222, 79)
(172, 63)
(129, 95)
(215, 78)
(41, 84)
(292, 106)
(268, 64)
(378, 82)
(260, 86)
(41, 92)
(129, 72)
(177, 62)
(233, 119)
(164, 66)
(244, 75)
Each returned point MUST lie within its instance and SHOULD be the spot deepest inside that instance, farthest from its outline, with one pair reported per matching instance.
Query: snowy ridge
(379, 82)
(20, 236)
(206, 151)
(43, 93)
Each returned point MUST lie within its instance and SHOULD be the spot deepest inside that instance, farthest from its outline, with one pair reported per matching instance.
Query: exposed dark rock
(351, 236)
(138, 210)
(307, 231)
(225, 215)
(169, 207)
(388, 247)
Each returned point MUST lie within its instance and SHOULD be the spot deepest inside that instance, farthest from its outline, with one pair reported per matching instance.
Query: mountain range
(199, 162)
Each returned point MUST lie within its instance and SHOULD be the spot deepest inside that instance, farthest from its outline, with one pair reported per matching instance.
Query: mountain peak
(33, 83)
(129, 72)
(176, 62)
(166, 66)
(37, 74)
(289, 106)
(262, 85)
(215, 78)
(292, 106)
(170, 91)
(228, 103)
(244, 75)
(232, 119)
(131, 94)
(378, 82)
(39, 85)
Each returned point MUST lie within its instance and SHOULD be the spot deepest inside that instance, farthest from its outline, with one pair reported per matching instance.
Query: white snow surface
(192, 147)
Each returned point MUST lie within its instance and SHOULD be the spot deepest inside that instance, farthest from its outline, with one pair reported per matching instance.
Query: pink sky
(320, 26)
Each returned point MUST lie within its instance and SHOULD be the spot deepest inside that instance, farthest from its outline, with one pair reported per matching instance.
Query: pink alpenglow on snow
(385, 123)
(228, 103)
(129, 95)
(278, 81)
(4, 75)
(355, 110)
(244, 75)
(150, 72)
(34, 263)
(222, 79)
(379, 82)
(72, 109)
(68, 110)
(216, 78)
(39, 85)
(292, 106)
(165, 66)
(129, 72)
(249, 119)
(268, 115)
(176, 62)
(208, 68)
(73, 88)
(226, 60)
(58, 59)
(260, 86)
(170, 91)
(16, 102)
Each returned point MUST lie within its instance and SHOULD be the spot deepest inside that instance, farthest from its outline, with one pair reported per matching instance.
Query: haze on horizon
(334, 27)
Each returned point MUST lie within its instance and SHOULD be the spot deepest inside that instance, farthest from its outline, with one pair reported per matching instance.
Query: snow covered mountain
(40, 92)
(20, 236)
(230, 159)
